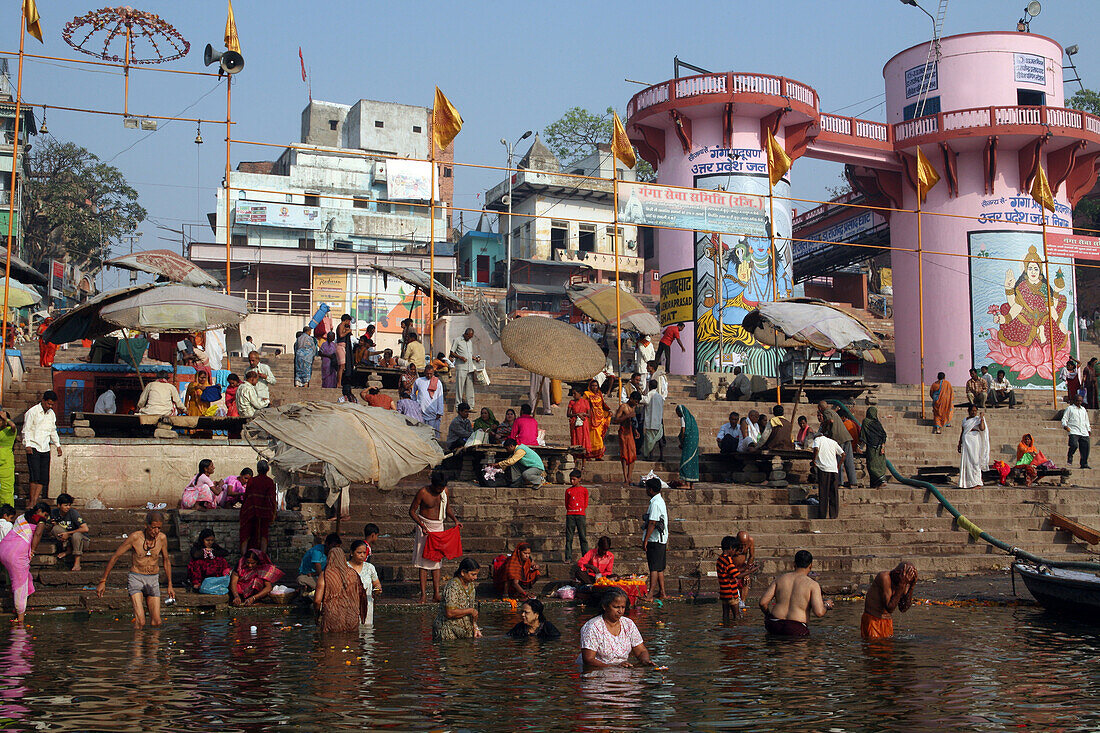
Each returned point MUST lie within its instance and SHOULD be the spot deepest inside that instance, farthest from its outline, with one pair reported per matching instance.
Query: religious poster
(735, 270)
(1022, 309)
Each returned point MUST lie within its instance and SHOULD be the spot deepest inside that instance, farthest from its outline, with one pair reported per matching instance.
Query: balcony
(1012, 120)
(725, 87)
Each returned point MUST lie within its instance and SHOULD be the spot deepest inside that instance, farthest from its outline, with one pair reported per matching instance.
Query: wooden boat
(1068, 592)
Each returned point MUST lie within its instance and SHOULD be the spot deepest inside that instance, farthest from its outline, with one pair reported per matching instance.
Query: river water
(957, 669)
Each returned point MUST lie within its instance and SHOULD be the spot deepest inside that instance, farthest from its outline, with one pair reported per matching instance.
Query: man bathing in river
(796, 594)
(429, 509)
(148, 547)
(889, 590)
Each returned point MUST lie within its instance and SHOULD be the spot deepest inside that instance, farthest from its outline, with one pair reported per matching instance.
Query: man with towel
(429, 509)
(428, 392)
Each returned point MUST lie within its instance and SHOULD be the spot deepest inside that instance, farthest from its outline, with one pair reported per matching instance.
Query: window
(239, 240)
(587, 238)
(379, 123)
(559, 235)
(609, 232)
(313, 199)
(416, 128)
(307, 243)
(931, 107)
(447, 172)
(332, 124)
(360, 203)
(1030, 98)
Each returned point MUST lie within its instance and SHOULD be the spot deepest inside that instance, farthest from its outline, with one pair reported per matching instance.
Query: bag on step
(215, 586)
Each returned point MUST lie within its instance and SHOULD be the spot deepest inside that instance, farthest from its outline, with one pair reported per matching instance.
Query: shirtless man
(148, 547)
(744, 557)
(889, 590)
(429, 508)
(795, 595)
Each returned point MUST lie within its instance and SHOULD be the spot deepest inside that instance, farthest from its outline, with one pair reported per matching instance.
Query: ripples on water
(949, 669)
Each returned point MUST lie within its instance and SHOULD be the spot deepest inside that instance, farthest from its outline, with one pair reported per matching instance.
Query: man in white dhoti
(540, 388)
(429, 510)
(428, 392)
(974, 449)
(466, 363)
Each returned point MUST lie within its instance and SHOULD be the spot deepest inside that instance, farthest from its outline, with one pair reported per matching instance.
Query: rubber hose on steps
(967, 525)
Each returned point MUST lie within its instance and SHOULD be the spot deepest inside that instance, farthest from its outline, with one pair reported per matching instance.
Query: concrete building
(481, 257)
(560, 216)
(306, 227)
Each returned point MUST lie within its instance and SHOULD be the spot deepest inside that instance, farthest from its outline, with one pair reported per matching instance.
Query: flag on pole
(620, 143)
(302, 61)
(927, 177)
(1040, 190)
(232, 42)
(778, 160)
(30, 12)
(446, 121)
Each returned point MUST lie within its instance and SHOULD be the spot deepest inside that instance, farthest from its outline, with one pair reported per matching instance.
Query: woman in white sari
(974, 448)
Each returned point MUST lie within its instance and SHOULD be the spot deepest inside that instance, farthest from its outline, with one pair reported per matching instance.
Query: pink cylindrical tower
(985, 115)
(709, 132)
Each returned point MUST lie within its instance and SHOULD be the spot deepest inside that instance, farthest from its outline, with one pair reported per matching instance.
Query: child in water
(729, 580)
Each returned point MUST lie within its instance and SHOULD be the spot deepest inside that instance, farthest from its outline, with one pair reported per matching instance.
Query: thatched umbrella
(551, 348)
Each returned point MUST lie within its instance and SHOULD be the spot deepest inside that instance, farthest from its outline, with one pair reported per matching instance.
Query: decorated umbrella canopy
(84, 321)
(353, 442)
(813, 323)
(19, 295)
(165, 264)
(597, 301)
(551, 348)
(175, 308)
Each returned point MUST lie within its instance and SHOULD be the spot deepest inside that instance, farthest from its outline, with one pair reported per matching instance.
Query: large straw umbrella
(550, 348)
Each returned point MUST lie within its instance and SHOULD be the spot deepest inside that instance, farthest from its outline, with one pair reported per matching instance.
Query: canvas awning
(421, 280)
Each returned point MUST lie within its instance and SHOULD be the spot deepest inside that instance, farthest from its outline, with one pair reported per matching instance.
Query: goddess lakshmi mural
(1022, 322)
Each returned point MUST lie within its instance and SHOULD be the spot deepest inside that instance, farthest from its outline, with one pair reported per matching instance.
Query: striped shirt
(729, 578)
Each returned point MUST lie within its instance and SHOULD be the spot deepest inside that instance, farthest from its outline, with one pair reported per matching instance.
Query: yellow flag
(620, 143)
(446, 121)
(926, 176)
(232, 42)
(30, 12)
(1040, 190)
(778, 160)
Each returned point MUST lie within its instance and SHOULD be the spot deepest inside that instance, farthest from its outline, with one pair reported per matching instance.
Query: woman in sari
(8, 433)
(193, 396)
(305, 349)
(943, 403)
(1089, 382)
(599, 420)
(689, 446)
(578, 413)
(207, 560)
(628, 449)
(231, 395)
(457, 617)
(516, 577)
(253, 579)
(873, 436)
(974, 449)
(330, 368)
(46, 350)
(1071, 375)
(16, 550)
(1030, 458)
(488, 422)
(408, 379)
(340, 597)
(504, 430)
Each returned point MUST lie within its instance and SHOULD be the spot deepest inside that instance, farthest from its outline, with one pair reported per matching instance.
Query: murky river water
(948, 669)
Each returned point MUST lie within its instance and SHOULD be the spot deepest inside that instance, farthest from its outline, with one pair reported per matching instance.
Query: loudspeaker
(230, 62)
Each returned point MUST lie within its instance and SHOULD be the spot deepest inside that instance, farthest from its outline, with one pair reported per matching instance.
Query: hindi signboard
(677, 297)
(1030, 69)
(1077, 246)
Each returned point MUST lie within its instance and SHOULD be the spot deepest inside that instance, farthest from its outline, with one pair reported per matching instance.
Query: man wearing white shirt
(826, 453)
(249, 347)
(39, 435)
(1075, 420)
(730, 434)
(1002, 390)
(644, 352)
(466, 363)
(106, 404)
(428, 392)
(266, 377)
(655, 539)
(657, 373)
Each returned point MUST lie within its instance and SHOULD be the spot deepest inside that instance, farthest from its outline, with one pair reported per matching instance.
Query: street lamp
(1071, 51)
(511, 148)
(927, 65)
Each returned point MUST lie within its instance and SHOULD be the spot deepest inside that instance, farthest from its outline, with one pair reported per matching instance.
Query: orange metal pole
(126, 71)
(775, 280)
(618, 287)
(920, 298)
(105, 63)
(1050, 308)
(15, 146)
(430, 326)
(120, 114)
(228, 223)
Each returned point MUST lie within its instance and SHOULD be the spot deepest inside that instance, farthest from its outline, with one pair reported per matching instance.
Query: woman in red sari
(253, 579)
(578, 412)
(516, 577)
(46, 351)
(599, 420)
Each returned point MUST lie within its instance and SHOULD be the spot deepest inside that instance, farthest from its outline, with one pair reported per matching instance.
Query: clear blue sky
(508, 67)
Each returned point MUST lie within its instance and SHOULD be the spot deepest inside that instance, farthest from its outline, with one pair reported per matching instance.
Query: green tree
(577, 132)
(1086, 215)
(74, 205)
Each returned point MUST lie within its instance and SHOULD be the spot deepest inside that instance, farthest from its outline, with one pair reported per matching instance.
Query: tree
(74, 205)
(1085, 100)
(1086, 215)
(577, 132)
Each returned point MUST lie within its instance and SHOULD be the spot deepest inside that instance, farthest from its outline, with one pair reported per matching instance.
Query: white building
(305, 227)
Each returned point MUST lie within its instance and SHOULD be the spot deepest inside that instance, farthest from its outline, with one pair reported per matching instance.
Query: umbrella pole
(11, 201)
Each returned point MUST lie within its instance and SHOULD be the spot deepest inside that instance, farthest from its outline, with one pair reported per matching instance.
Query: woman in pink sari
(16, 550)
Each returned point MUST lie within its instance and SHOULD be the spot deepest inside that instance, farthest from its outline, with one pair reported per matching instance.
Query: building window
(239, 240)
(447, 172)
(610, 234)
(416, 128)
(1030, 98)
(332, 124)
(931, 107)
(313, 199)
(559, 235)
(360, 203)
(307, 243)
(587, 238)
(379, 123)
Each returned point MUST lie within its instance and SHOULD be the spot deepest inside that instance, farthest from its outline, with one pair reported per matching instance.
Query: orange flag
(30, 12)
(446, 121)
(778, 160)
(927, 177)
(620, 143)
(232, 42)
(1040, 190)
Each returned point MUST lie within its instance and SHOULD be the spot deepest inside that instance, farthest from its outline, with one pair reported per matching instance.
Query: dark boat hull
(1063, 592)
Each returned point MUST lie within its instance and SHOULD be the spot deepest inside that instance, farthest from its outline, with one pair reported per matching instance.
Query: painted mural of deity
(1028, 336)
